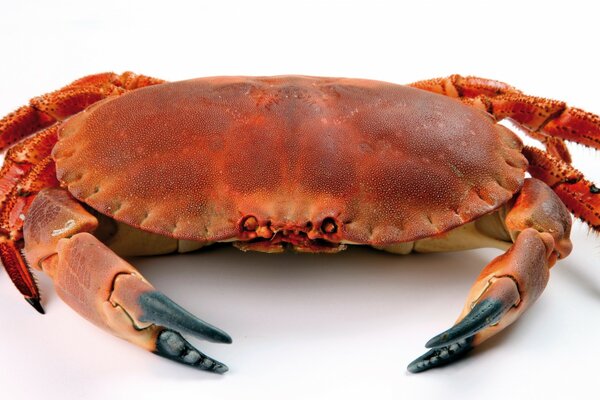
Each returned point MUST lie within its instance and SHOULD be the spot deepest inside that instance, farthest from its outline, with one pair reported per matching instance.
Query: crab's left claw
(112, 294)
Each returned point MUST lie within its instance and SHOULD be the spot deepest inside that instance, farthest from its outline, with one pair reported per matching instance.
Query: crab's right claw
(112, 294)
(135, 304)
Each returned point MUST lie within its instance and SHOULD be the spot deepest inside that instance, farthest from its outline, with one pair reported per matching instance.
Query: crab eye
(329, 225)
(249, 224)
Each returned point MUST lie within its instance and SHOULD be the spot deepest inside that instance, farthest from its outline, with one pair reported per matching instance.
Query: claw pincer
(129, 307)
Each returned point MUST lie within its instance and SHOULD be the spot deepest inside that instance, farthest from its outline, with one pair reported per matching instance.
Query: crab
(117, 165)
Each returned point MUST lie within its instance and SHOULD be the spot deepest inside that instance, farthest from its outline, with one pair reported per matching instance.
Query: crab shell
(314, 162)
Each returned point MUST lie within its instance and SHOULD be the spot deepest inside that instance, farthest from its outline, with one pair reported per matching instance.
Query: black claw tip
(35, 303)
(221, 369)
(485, 313)
(159, 309)
(172, 345)
(441, 356)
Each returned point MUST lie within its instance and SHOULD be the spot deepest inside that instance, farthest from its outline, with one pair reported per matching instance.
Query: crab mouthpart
(257, 234)
(295, 241)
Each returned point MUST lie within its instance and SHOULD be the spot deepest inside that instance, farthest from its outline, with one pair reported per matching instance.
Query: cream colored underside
(487, 231)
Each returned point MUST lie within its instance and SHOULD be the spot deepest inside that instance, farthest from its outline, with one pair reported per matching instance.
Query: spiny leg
(107, 290)
(580, 196)
(549, 121)
(45, 110)
(540, 224)
(28, 167)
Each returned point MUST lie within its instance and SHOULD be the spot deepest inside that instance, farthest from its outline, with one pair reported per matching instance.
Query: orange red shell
(195, 159)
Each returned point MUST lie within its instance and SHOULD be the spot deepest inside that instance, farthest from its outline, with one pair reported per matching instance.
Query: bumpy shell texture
(190, 159)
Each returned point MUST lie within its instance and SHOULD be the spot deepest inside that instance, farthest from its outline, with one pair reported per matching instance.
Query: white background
(308, 326)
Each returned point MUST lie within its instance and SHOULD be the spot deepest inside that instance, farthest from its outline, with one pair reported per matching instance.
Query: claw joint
(505, 288)
(126, 288)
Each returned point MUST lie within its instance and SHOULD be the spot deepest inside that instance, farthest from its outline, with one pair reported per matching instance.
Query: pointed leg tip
(35, 303)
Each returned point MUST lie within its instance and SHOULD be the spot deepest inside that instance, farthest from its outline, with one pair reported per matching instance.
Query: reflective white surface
(311, 326)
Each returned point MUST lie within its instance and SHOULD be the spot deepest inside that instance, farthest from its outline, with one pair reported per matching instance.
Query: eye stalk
(251, 228)
(329, 226)
(249, 224)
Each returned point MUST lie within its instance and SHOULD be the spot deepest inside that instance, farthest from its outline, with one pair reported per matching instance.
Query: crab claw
(501, 295)
(496, 301)
(112, 294)
(502, 292)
